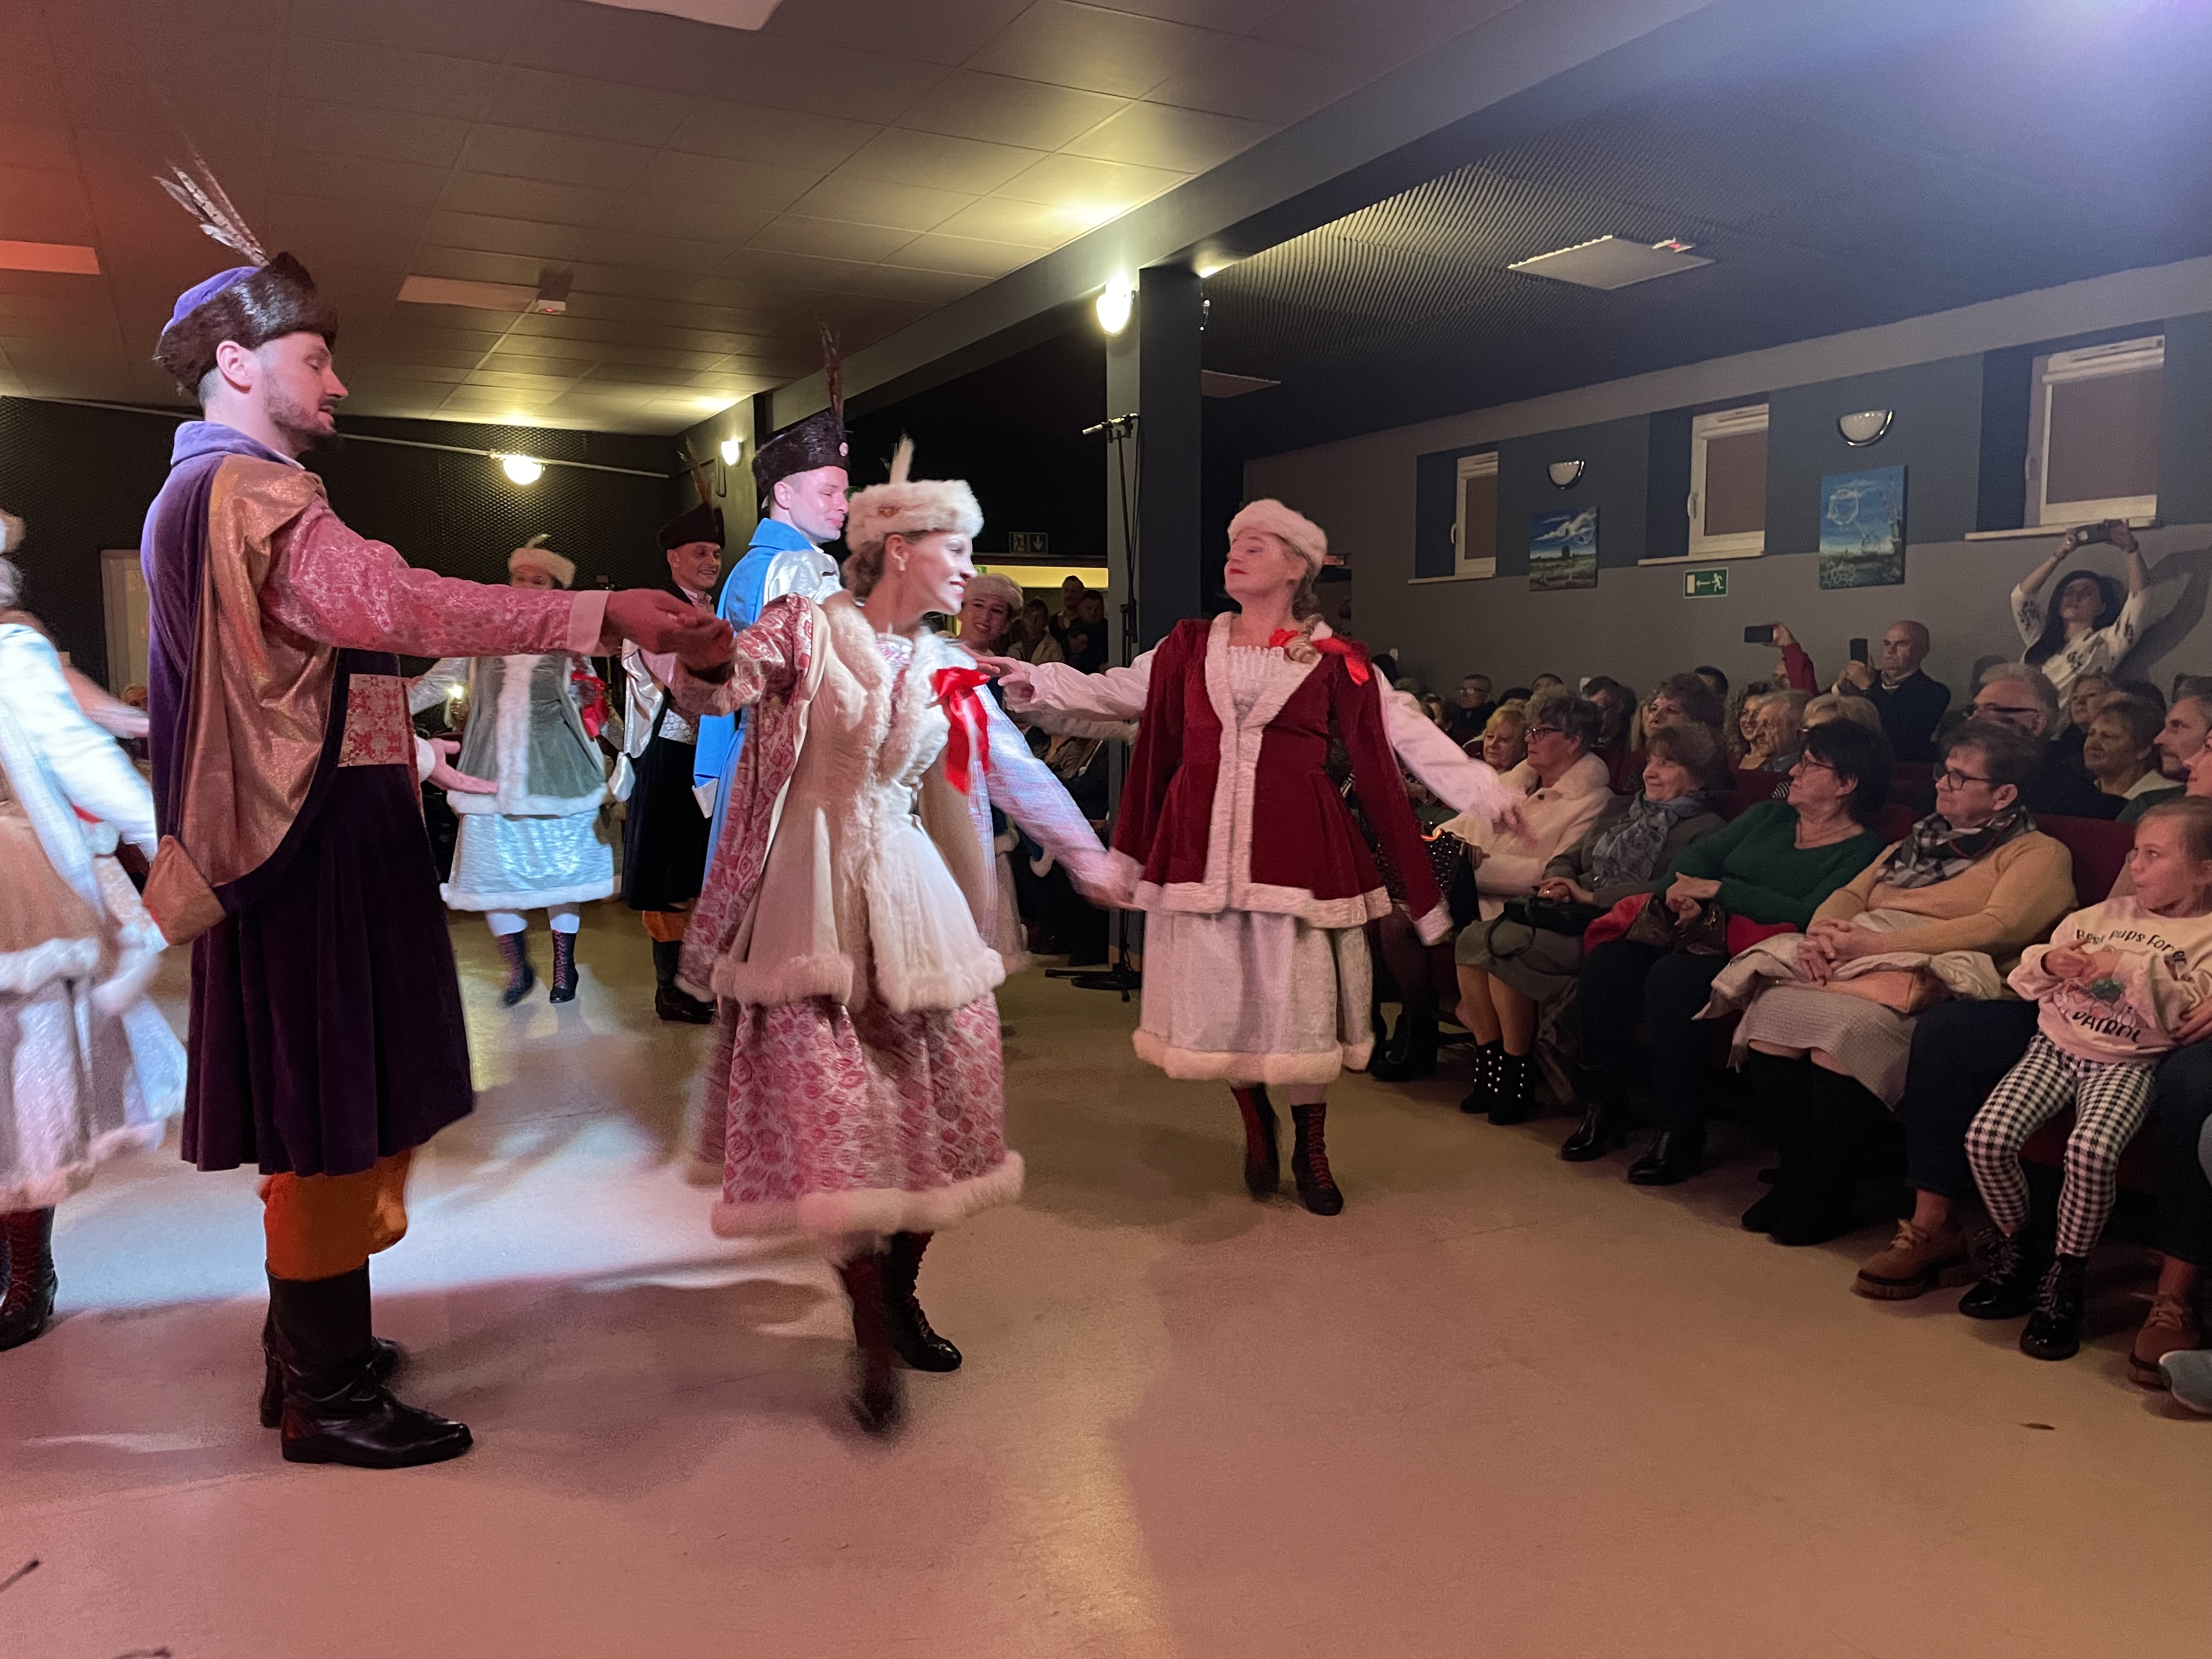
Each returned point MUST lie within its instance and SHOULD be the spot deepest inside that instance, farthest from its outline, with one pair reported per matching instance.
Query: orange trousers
(321, 1226)
(666, 927)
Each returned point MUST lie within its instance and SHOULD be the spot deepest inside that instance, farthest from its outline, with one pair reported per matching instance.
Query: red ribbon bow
(956, 690)
(1354, 654)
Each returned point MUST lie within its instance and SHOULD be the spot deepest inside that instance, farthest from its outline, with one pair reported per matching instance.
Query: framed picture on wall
(1563, 550)
(1862, 528)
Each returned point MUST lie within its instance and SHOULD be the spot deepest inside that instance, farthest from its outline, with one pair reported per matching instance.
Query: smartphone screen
(1759, 634)
(1858, 650)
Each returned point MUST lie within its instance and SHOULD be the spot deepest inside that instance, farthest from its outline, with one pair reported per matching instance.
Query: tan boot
(1915, 1262)
(2171, 1325)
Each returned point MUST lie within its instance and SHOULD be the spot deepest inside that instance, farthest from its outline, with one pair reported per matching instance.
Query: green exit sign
(1704, 584)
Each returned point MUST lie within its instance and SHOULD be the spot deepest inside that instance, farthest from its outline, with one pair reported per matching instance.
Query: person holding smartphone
(2089, 627)
(1911, 705)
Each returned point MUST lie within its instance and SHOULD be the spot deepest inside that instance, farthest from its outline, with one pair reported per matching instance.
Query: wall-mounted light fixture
(1115, 304)
(1565, 474)
(732, 448)
(1866, 427)
(521, 468)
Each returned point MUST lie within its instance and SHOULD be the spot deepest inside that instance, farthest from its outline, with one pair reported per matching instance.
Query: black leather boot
(564, 968)
(1604, 1100)
(877, 1401)
(386, 1359)
(336, 1408)
(1263, 1160)
(917, 1344)
(1516, 1088)
(1674, 1156)
(521, 978)
(32, 1285)
(2053, 1330)
(672, 1003)
(1483, 1095)
(2012, 1275)
(1411, 1050)
(1318, 1188)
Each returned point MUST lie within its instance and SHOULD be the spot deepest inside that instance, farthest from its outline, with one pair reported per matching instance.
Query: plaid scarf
(1935, 851)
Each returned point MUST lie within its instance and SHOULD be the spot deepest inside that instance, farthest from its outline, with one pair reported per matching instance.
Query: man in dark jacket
(2022, 696)
(1911, 703)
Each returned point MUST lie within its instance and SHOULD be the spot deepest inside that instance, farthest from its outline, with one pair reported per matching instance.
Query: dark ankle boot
(386, 1358)
(2054, 1328)
(1263, 1161)
(1318, 1188)
(917, 1344)
(1604, 1100)
(29, 1302)
(877, 1401)
(1411, 1051)
(2011, 1276)
(564, 968)
(336, 1408)
(1812, 1212)
(1481, 1099)
(521, 978)
(1516, 1088)
(1674, 1156)
(672, 1003)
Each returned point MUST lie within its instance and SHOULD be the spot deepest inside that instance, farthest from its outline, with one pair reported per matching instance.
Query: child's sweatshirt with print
(2147, 972)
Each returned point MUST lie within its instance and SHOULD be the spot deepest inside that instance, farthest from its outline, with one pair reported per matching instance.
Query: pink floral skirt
(839, 1121)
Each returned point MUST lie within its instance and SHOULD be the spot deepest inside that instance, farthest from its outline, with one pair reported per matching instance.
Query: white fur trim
(24, 971)
(953, 986)
(1435, 926)
(561, 570)
(915, 507)
(789, 979)
(529, 807)
(135, 968)
(1195, 898)
(872, 1209)
(534, 899)
(48, 1190)
(1296, 531)
(1194, 1066)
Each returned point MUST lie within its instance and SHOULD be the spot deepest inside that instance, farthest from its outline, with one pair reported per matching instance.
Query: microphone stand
(1121, 434)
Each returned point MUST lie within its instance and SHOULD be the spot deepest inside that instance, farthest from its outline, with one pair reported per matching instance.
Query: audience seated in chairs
(2120, 751)
(1517, 974)
(1778, 732)
(2023, 695)
(1771, 867)
(1826, 1055)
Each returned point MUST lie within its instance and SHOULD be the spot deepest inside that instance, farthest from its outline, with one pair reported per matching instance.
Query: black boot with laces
(2010, 1278)
(2054, 1328)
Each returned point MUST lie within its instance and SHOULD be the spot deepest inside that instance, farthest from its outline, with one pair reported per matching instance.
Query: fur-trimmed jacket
(850, 867)
(1224, 813)
(524, 733)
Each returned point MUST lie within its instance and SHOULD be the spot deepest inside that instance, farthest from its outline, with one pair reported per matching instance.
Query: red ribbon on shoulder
(970, 738)
(1353, 652)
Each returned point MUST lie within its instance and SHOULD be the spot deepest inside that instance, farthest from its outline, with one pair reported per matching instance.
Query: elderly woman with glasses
(1826, 1055)
(1773, 865)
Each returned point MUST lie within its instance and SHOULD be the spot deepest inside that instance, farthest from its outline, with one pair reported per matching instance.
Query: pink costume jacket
(1223, 814)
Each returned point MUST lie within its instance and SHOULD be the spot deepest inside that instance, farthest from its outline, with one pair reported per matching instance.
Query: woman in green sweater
(1775, 863)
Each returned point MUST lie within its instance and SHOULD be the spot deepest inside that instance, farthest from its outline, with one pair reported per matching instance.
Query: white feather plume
(194, 188)
(902, 460)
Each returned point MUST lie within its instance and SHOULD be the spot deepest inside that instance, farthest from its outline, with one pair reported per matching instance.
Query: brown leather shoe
(2171, 1326)
(1914, 1262)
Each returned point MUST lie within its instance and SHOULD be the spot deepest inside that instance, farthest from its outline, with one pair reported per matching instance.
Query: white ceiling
(718, 192)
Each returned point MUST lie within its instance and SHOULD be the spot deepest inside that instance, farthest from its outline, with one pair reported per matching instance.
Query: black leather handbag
(1553, 915)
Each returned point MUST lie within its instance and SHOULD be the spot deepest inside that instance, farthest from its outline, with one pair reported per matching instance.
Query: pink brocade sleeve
(765, 665)
(327, 584)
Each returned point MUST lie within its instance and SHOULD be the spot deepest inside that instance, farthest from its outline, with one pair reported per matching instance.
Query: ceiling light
(1610, 262)
(1115, 304)
(479, 296)
(732, 448)
(521, 468)
(64, 258)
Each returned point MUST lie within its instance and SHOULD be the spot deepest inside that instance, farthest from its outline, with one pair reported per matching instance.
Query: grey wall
(1937, 437)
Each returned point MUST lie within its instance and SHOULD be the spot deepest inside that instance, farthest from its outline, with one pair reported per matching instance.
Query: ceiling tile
(1108, 52)
(349, 178)
(474, 265)
(638, 48)
(1031, 224)
(826, 80)
(938, 161)
(37, 144)
(1398, 30)
(388, 78)
(1159, 135)
(963, 254)
(1235, 17)
(804, 271)
(780, 138)
(1006, 111)
(487, 31)
(669, 253)
(526, 198)
(835, 238)
(556, 156)
(933, 31)
(546, 102)
(1081, 185)
(1261, 81)
(711, 179)
(373, 135)
(675, 215)
(39, 206)
(527, 237)
(874, 202)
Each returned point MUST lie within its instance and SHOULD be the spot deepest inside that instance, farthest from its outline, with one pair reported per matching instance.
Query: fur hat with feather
(534, 555)
(909, 507)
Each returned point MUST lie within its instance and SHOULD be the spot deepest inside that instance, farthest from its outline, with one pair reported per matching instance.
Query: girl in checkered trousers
(2114, 982)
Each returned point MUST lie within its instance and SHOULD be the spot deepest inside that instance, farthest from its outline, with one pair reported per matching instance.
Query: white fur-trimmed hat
(1300, 534)
(1005, 586)
(534, 555)
(909, 507)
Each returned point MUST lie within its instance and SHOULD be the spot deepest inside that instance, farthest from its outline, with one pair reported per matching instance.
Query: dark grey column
(1152, 475)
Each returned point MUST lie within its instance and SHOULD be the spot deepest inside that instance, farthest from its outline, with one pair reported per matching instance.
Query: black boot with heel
(1516, 1092)
(1604, 1100)
(877, 1400)
(920, 1345)
(1317, 1187)
(1411, 1051)
(564, 968)
(28, 1267)
(337, 1408)
(521, 978)
(1263, 1161)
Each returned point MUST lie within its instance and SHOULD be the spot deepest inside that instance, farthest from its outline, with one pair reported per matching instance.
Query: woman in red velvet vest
(1254, 881)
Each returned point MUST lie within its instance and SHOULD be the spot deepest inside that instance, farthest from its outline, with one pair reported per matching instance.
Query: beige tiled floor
(1501, 1407)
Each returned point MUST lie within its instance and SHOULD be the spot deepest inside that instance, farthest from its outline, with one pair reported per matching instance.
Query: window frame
(2055, 368)
(1704, 428)
(1481, 465)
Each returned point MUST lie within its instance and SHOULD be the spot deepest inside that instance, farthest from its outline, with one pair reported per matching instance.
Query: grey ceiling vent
(1214, 384)
(1611, 262)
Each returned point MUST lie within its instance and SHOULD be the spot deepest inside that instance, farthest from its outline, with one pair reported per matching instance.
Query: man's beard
(300, 423)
